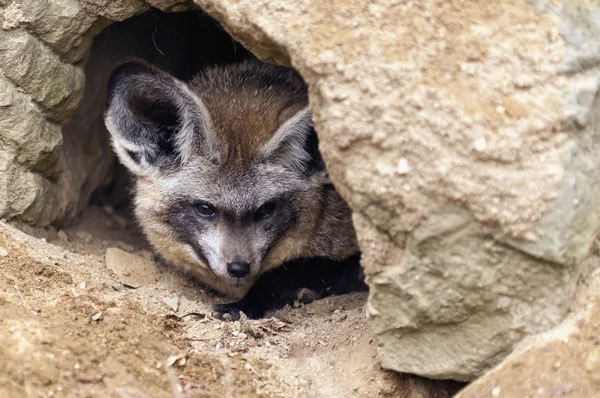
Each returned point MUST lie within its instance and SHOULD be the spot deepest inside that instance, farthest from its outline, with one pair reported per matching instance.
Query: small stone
(176, 359)
(172, 302)
(557, 364)
(592, 362)
(131, 270)
(524, 82)
(97, 316)
(480, 144)
(496, 392)
(3, 252)
(403, 167)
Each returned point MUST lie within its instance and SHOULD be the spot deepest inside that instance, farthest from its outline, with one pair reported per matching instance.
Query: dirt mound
(70, 328)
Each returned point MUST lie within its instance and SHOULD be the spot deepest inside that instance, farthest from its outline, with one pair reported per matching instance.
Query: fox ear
(295, 145)
(154, 119)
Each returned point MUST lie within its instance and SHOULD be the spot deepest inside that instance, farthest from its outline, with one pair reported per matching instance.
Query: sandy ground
(71, 327)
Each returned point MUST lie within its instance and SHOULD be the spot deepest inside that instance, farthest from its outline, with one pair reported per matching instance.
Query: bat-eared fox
(230, 186)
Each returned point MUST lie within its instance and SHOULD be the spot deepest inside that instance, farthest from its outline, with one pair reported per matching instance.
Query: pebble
(97, 316)
(131, 270)
(480, 144)
(172, 302)
(403, 167)
(592, 363)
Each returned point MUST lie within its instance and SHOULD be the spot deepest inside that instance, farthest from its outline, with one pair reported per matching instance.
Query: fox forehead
(247, 106)
(239, 190)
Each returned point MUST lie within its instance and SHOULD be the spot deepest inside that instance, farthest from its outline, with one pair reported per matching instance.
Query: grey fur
(237, 138)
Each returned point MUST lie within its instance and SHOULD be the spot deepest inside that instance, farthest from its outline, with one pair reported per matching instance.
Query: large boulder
(563, 362)
(464, 135)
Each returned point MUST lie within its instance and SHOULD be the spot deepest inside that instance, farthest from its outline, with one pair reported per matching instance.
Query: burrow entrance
(182, 43)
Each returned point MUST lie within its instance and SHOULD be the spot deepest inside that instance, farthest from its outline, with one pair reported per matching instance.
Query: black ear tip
(128, 68)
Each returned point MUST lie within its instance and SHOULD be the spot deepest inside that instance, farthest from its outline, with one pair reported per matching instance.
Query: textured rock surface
(48, 172)
(39, 90)
(465, 137)
(564, 362)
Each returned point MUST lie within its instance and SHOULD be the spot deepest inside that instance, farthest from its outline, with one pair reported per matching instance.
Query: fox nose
(238, 269)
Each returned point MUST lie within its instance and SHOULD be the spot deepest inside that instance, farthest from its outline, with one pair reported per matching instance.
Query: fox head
(229, 179)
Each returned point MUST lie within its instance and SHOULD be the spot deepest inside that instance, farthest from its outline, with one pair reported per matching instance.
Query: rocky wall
(48, 167)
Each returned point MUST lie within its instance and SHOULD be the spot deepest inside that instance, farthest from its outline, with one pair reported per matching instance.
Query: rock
(114, 10)
(97, 316)
(563, 362)
(131, 270)
(172, 302)
(28, 63)
(472, 173)
(64, 26)
(52, 168)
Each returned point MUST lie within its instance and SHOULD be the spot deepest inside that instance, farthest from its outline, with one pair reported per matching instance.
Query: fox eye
(205, 210)
(265, 211)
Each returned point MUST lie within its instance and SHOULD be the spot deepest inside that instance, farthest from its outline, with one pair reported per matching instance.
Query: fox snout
(235, 259)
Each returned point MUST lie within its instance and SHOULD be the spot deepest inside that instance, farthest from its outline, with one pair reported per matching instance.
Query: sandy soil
(71, 327)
